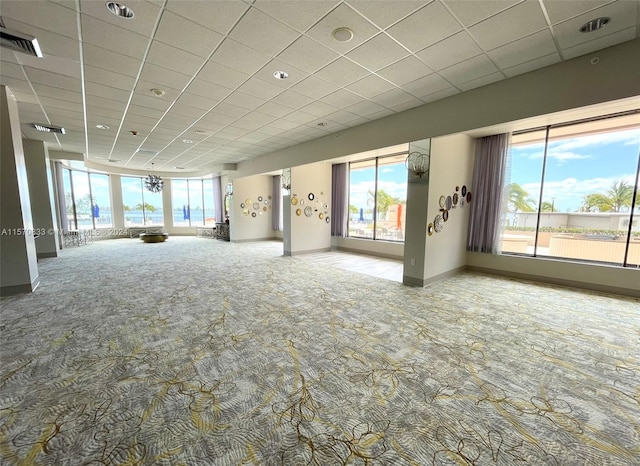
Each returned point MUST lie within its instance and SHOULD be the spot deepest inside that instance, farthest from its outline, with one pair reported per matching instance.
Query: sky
(392, 179)
(577, 167)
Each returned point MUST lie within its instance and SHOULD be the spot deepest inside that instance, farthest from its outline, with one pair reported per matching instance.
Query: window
(571, 197)
(141, 207)
(377, 198)
(193, 202)
(87, 200)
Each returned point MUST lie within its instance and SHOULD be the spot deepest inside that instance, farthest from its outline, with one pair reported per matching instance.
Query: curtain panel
(276, 205)
(491, 159)
(217, 199)
(339, 200)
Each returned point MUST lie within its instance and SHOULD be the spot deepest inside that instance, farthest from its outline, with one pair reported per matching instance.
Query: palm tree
(548, 207)
(146, 207)
(519, 198)
(615, 199)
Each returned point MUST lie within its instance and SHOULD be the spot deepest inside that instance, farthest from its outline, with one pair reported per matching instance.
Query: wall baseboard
(308, 251)
(367, 252)
(20, 289)
(558, 281)
(256, 239)
(46, 255)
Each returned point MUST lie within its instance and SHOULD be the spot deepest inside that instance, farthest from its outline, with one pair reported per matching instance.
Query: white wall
(247, 227)
(309, 234)
(451, 166)
(375, 248)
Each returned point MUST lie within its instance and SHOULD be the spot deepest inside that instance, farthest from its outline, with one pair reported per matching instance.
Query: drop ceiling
(214, 62)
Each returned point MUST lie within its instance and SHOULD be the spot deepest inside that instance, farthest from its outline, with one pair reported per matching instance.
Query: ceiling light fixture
(187, 141)
(595, 24)
(595, 60)
(114, 161)
(153, 183)
(343, 34)
(280, 74)
(322, 123)
(49, 128)
(102, 127)
(120, 10)
(179, 168)
(134, 133)
(157, 92)
(417, 163)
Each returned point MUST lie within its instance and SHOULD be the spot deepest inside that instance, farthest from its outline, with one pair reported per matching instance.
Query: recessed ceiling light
(187, 141)
(322, 123)
(157, 92)
(595, 24)
(595, 60)
(120, 10)
(280, 74)
(342, 34)
(134, 133)
(102, 127)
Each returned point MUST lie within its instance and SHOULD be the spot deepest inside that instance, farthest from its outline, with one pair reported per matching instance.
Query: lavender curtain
(276, 204)
(491, 160)
(62, 202)
(217, 199)
(339, 200)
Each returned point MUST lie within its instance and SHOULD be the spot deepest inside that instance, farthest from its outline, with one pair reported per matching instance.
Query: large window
(87, 200)
(571, 192)
(377, 198)
(193, 202)
(141, 207)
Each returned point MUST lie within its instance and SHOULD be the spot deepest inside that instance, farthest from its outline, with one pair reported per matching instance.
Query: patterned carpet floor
(201, 352)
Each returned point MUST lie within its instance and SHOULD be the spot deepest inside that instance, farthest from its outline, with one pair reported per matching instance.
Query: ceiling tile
(253, 121)
(53, 79)
(532, 65)
(378, 52)
(292, 99)
(471, 69)
(440, 95)
(342, 116)
(448, 52)
(222, 75)
(229, 110)
(300, 117)
(406, 106)
(426, 85)
(196, 101)
(45, 15)
(108, 78)
(384, 13)
(261, 32)
(315, 88)
(412, 33)
(173, 59)
(393, 98)
(240, 57)
(207, 89)
(56, 92)
(144, 111)
(273, 109)
(364, 108)
(113, 38)
(341, 16)
(150, 102)
(473, 11)
(623, 15)
(342, 72)
(146, 14)
(307, 54)
(482, 81)
(261, 89)
(370, 86)
(219, 16)
(600, 43)
(164, 77)
(516, 22)
(102, 58)
(528, 48)
(319, 109)
(341, 98)
(186, 35)
(561, 11)
(404, 71)
(243, 100)
(299, 15)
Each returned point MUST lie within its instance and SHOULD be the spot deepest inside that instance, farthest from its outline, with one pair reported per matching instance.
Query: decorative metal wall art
(153, 183)
(254, 208)
(447, 204)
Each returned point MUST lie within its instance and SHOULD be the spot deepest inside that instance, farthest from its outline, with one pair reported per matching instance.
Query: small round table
(154, 237)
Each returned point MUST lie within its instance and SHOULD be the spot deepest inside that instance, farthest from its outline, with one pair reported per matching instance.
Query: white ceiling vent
(19, 42)
(49, 128)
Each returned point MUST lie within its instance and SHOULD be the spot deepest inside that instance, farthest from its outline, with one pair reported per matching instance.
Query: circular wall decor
(449, 203)
(265, 208)
(298, 212)
(464, 191)
(441, 201)
(457, 188)
(256, 206)
(248, 202)
(259, 198)
(245, 212)
(430, 229)
(260, 213)
(242, 205)
(311, 196)
(253, 214)
(320, 215)
(269, 197)
(445, 215)
(294, 200)
(462, 203)
(308, 211)
(266, 202)
(455, 198)
(468, 197)
(302, 202)
(438, 223)
(327, 219)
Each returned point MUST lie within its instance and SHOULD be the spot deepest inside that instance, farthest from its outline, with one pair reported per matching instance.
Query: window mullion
(544, 168)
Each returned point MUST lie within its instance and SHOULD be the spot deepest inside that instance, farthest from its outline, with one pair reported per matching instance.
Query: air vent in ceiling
(19, 42)
(49, 128)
